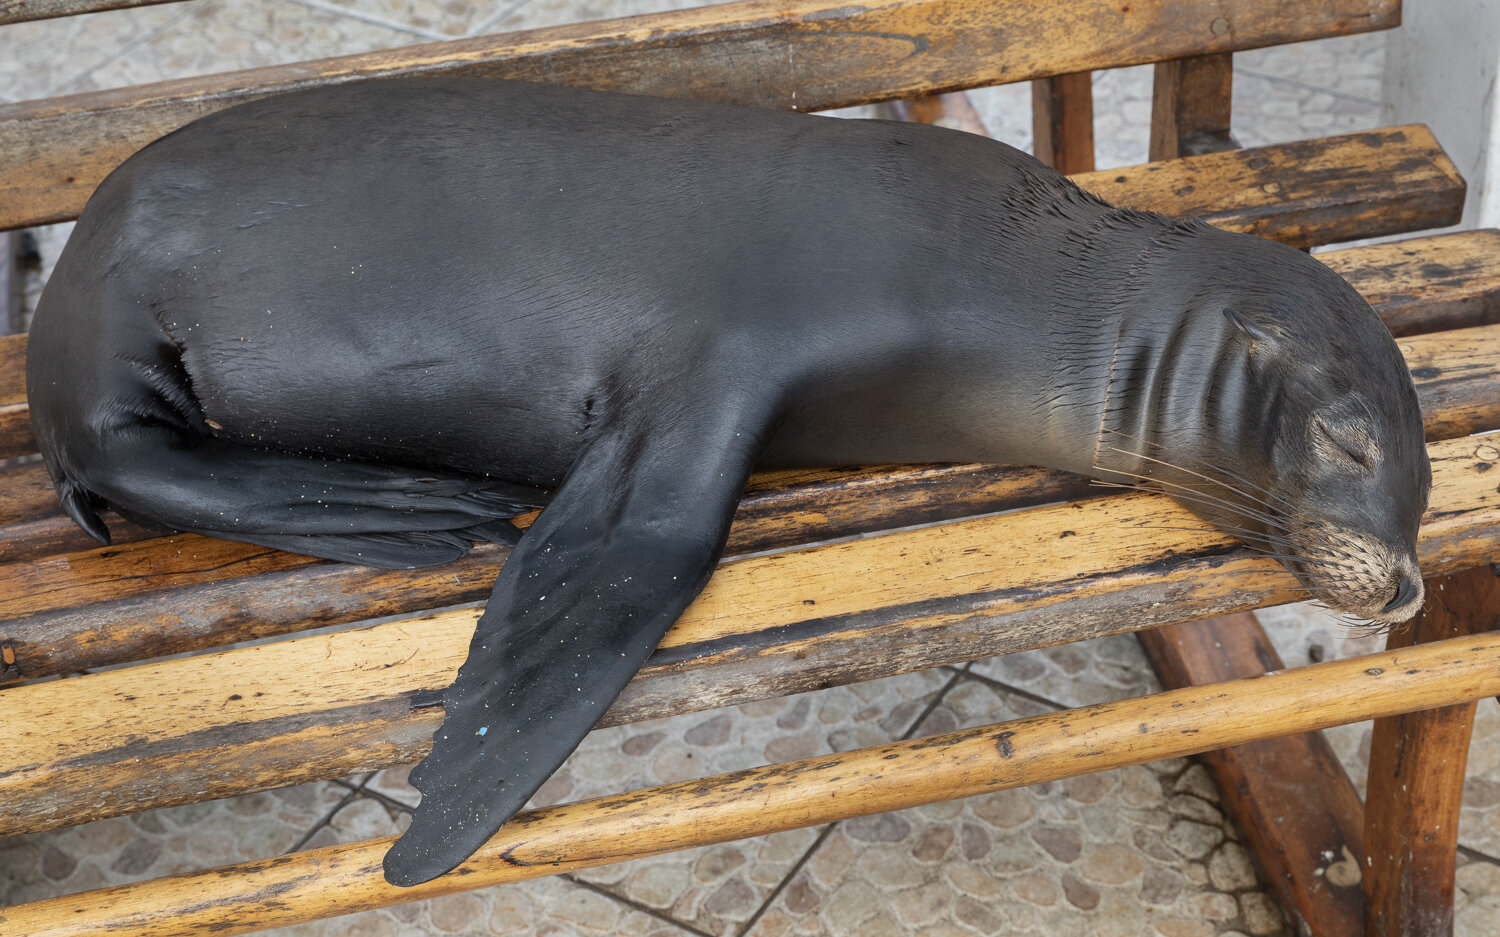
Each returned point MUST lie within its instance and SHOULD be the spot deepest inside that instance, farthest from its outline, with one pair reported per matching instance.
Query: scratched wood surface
(334, 880)
(20, 11)
(153, 735)
(804, 54)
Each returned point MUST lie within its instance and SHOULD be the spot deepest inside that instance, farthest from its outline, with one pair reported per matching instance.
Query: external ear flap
(1252, 331)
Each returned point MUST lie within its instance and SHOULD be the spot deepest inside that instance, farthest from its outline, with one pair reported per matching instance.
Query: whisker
(1207, 465)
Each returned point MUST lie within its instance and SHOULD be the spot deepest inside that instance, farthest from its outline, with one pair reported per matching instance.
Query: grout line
(937, 700)
(386, 799)
(1478, 856)
(346, 801)
(372, 20)
(628, 902)
(1305, 86)
(994, 684)
(486, 24)
(786, 880)
(187, 11)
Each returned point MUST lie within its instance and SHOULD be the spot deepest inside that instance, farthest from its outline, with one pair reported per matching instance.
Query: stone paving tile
(161, 842)
(434, 19)
(1141, 850)
(226, 35)
(39, 58)
(1078, 674)
(716, 889)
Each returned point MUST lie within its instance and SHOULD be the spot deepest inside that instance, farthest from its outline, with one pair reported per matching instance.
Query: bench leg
(1062, 122)
(1417, 776)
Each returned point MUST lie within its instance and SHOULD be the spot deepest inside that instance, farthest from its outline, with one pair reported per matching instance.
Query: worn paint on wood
(338, 879)
(1248, 189)
(1427, 284)
(802, 54)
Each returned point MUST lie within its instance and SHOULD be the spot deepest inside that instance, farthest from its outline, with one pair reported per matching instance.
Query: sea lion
(372, 322)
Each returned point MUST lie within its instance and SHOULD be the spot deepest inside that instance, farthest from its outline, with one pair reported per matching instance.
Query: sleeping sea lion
(373, 322)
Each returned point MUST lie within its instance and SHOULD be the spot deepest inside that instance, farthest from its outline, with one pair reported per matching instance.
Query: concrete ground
(1139, 851)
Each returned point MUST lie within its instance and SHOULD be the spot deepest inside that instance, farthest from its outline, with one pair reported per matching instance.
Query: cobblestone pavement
(1142, 850)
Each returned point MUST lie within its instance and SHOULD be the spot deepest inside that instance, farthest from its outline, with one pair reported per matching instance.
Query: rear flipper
(629, 541)
(357, 512)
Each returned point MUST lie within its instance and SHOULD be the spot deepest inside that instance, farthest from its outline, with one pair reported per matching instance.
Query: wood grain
(148, 596)
(1062, 122)
(341, 879)
(802, 54)
(765, 626)
(1416, 784)
(1249, 189)
(21, 11)
(1300, 817)
(1190, 106)
(1427, 284)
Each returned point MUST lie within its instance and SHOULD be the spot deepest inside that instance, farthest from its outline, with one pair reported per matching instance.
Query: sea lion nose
(1406, 590)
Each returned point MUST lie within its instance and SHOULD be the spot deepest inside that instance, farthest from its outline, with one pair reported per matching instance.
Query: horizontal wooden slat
(340, 879)
(20, 11)
(1355, 185)
(803, 54)
(148, 598)
(287, 712)
(1444, 281)
(1336, 188)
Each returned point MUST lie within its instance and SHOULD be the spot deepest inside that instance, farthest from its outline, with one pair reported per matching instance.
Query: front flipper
(626, 544)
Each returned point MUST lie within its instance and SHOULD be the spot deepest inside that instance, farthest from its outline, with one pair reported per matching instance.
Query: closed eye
(1344, 440)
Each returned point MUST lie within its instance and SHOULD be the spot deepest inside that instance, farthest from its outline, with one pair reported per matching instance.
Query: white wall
(1443, 70)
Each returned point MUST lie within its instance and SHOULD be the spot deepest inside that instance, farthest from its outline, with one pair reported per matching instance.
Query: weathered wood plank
(1299, 815)
(804, 55)
(1250, 190)
(1062, 122)
(146, 597)
(338, 879)
(1427, 284)
(1367, 184)
(21, 11)
(1417, 776)
(765, 626)
(1190, 106)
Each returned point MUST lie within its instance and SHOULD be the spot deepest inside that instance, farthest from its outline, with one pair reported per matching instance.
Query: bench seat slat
(333, 704)
(805, 54)
(1427, 284)
(1249, 190)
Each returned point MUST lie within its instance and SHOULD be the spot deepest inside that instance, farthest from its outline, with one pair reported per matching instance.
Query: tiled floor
(1139, 851)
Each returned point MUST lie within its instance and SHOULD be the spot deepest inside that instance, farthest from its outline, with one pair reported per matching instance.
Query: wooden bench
(1066, 561)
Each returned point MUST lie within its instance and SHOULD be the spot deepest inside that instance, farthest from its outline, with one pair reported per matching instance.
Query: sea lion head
(1312, 446)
